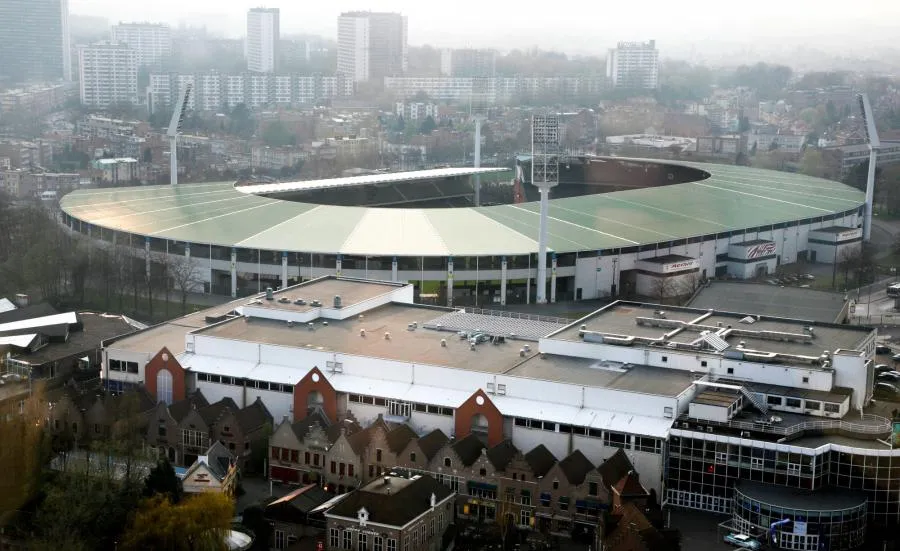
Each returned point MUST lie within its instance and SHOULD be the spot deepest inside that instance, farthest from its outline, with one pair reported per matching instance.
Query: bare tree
(185, 274)
(662, 288)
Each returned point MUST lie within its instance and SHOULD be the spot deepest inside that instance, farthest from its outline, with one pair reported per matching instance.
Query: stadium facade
(618, 227)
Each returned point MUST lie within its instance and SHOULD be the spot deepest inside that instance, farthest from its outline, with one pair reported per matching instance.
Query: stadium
(617, 227)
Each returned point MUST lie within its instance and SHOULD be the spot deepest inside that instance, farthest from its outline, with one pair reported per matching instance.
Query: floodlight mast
(544, 175)
(174, 128)
(874, 144)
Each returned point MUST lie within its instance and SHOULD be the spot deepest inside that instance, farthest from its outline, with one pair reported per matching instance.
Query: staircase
(757, 402)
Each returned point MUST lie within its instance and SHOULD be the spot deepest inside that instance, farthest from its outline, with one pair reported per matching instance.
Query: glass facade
(830, 519)
(702, 471)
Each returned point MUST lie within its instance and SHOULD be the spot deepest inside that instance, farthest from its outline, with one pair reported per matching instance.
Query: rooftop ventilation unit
(325, 323)
(443, 343)
(521, 352)
(387, 336)
(527, 348)
(659, 314)
(290, 323)
(410, 326)
(362, 332)
(270, 294)
(748, 320)
(315, 303)
(361, 317)
(337, 301)
(471, 346)
(310, 326)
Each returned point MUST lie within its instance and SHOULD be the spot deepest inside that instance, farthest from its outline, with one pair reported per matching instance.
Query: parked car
(896, 357)
(882, 368)
(883, 349)
(743, 541)
(889, 376)
(886, 389)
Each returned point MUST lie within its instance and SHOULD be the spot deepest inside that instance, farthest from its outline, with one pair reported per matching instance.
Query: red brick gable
(158, 363)
(315, 381)
(470, 408)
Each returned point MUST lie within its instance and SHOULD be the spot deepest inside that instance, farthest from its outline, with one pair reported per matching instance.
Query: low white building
(834, 244)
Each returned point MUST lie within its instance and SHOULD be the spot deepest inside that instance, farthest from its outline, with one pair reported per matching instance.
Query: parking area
(700, 530)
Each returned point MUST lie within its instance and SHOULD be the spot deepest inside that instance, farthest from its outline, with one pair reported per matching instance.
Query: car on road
(743, 541)
(883, 349)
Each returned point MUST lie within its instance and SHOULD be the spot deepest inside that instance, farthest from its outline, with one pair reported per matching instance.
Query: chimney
(387, 480)
(433, 500)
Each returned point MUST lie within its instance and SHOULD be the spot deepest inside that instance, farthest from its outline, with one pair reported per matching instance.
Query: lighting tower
(174, 129)
(478, 110)
(544, 175)
(874, 145)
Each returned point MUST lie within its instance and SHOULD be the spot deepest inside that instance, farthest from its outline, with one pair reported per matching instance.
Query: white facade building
(107, 74)
(372, 45)
(468, 62)
(263, 34)
(152, 42)
(634, 65)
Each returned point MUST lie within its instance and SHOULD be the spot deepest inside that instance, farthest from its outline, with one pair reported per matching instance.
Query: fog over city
(572, 26)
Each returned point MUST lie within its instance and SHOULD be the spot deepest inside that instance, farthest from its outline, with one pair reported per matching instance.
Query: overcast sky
(574, 26)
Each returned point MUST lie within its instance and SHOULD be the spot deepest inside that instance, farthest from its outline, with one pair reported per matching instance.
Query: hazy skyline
(573, 26)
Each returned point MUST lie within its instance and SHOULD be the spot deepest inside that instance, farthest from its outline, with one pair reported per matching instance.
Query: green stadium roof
(731, 199)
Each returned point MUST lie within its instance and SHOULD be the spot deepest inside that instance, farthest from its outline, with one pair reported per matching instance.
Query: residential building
(634, 65)
(489, 91)
(275, 158)
(841, 159)
(37, 100)
(416, 110)
(468, 62)
(371, 45)
(727, 147)
(214, 471)
(107, 74)
(116, 171)
(263, 37)
(769, 139)
(99, 126)
(406, 513)
(17, 182)
(299, 514)
(34, 41)
(220, 92)
(151, 42)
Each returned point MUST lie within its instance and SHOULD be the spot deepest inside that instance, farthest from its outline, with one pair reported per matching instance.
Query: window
(391, 545)
(805, 379)
(592, 488)
(377, 543)
(164, 387)
(348, 540)
(333, 538)
(793, 403)
(193, 438)
(280, 540)
(371, 471)
(665, 358)
(315, 460)
(703, 363)
(646, 444)
(447, 462)
(333, 467)
(756, 462)
(342, 468)
(564, 503)
(161, 431)
(812, 405)
(615, 439)
(399, 409)
(349, 469)
(482, 472)
(731, 371)
(378, 455)
(431, 527)
(773, 400)
(306, 457)
(525, 517)
(412, 457)
(362, 542)
(276, 453)
(832, 408)
(556, 484)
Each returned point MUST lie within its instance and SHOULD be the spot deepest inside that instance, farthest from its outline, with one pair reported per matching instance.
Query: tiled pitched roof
(399, 437)
(501, 454)
(615, 468)
(213, 412)
(630, 485)
(576, 466)
(301, 427)
(432, 442)
(468, 449)
(333, 431)
(181, 408)
(397, 508)
(253, 417)
(541, 460)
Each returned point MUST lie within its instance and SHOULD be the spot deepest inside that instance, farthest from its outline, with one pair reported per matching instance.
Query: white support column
(394, 269)
(284, 270)
(541, 295)
(870, 194)
(337, 266)
(450, 281)
(503, 282)
(147, 257)
(234, 272)
(553, 279)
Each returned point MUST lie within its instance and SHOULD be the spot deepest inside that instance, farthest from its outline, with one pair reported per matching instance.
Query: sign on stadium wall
(681, 266)
(761, 250)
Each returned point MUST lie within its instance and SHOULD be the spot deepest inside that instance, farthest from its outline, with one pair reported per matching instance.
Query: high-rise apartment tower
(34, 41)
(263, 34)
(371, 45)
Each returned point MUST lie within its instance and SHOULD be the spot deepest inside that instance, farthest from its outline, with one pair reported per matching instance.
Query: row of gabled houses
(529, 489)
(181, 432)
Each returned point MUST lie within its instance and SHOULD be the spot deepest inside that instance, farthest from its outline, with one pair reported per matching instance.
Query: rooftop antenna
(874, 145)
(174, 129)
(544, 175)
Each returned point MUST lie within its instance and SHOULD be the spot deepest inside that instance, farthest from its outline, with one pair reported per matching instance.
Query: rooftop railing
(867, 425)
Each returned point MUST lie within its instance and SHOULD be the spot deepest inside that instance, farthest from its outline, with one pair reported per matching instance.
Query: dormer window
(363, 516)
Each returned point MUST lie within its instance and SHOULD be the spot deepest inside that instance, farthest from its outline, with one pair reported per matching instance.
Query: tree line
(40, 256)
